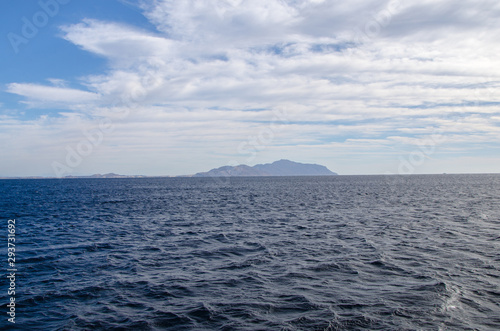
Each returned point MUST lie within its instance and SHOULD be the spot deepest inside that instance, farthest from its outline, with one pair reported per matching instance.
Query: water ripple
(339, 253)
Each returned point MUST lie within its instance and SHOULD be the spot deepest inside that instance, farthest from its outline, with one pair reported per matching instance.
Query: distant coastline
(116, 176)
(238, 171)
(109, 175)
(277, 168)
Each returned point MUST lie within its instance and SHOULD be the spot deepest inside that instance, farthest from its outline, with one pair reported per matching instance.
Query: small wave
(306, 254)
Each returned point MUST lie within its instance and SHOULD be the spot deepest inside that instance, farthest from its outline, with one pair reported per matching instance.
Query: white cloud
(51, 94)
(122, 45)
(360, 76)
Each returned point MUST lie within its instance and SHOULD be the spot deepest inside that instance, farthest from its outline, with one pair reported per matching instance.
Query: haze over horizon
(176, 88)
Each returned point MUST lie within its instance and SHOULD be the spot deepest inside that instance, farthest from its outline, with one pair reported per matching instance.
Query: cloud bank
(358, 84)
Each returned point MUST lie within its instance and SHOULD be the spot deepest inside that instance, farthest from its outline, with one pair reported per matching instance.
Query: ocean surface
(280, 253)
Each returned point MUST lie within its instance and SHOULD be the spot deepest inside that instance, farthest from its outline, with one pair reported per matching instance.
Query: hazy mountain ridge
(277, 168)
(108, 175)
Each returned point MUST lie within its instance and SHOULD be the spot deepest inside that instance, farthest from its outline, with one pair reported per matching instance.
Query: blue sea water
(278, 253)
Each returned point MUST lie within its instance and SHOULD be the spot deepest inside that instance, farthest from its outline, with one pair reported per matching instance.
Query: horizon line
(119, 176)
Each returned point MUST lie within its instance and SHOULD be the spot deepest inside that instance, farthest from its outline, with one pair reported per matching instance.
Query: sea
(416, 252)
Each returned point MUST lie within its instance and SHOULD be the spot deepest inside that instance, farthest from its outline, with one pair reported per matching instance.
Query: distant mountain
(110, 175)
(278, 168)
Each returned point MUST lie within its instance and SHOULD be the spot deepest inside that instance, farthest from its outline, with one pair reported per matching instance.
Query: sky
(177, 87)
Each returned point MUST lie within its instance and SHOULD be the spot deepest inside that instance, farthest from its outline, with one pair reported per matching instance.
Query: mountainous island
(277, 168)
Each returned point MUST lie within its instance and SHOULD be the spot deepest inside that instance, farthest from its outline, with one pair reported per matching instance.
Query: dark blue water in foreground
(337, 253)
